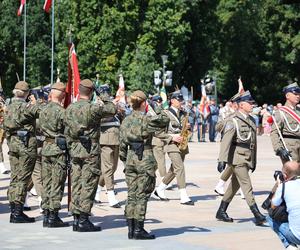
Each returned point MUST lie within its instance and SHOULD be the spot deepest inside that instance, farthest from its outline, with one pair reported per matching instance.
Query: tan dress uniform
(159, 154)
(290, 130)
(109, 148)
(176, 156)
(238, 149)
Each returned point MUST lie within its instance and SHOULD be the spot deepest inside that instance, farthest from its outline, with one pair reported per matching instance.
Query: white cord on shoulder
(238, 132)
(296, 129)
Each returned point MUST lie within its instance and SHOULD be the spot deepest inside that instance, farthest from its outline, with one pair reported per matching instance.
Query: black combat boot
(259, 218)
(46, 217)
(19, 216)
(75, 222)
(55, 221)
(221, 214)
(12, 211)
(85, 225)
(140, 233)
(130, 223)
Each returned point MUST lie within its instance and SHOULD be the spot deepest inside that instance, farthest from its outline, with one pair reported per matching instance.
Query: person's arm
(229, 133)
(276, 200)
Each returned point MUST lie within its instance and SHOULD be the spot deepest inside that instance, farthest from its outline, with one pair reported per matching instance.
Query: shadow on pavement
(165, 232)
(204, 197)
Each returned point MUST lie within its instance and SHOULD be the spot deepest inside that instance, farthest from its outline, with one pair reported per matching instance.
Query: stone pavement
(176, 226)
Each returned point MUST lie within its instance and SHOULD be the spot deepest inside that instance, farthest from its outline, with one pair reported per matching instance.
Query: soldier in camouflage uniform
(239, 150)
(136, 135)
(19, 125)
(3, 169)
(82, 129)
(54, 170)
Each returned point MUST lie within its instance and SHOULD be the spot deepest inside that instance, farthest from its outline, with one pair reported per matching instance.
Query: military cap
(139, 94)
(59, 86)
(293, 88)
(245, 97)
(235, 97)
(22, 85)
(87, 83)
(177, 95)
(156, 98)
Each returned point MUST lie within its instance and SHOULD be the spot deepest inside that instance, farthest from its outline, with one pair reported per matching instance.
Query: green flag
(163, 94)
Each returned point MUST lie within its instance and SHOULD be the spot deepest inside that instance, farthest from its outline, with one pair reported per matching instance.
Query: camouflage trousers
(140, 180)
(85, 175)
(54, 175)
(22, 160)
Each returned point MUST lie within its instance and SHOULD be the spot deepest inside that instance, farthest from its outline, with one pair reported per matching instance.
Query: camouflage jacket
(83, 118)
(20, 115)
(51, 122)
(139, 127)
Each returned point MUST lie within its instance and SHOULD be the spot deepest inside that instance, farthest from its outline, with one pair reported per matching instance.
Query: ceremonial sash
(291, 112)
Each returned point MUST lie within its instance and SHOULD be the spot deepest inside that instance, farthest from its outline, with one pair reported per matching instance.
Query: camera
(278, 174)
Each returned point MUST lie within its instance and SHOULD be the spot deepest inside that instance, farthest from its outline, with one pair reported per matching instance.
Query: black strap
(282, 193)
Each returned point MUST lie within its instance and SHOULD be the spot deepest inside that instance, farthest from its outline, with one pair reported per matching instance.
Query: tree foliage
(257, 39)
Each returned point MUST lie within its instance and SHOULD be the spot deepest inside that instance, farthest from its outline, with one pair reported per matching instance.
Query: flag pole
(24, 48)
(52, 46)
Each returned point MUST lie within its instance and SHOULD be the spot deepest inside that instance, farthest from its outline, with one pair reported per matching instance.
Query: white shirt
(292, 200)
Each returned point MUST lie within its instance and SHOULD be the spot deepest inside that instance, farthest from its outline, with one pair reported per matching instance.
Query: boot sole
(220, 219)
(137, 238)
(86, 231)
(56, 226)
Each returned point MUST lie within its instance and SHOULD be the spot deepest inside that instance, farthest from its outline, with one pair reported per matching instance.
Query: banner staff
(52, 46)
(24, 49)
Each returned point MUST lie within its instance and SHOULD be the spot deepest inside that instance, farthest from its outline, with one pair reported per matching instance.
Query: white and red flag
(120, 96)
(241, 86)
(72, 88)
(20, 10)
(47, 5)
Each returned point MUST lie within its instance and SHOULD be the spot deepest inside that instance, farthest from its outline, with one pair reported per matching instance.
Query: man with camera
(288, 184)
(238, 150)
(285, 132)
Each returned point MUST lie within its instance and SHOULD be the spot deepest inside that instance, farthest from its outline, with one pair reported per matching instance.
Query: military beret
(293, 88)
(139, 94)
(59, 86)
(22, 85)
(177, 95)
(87, 83)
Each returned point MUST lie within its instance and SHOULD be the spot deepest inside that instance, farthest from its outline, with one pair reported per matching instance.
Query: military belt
(145, 147)
(92, 140)
(110, 124)
(244, 145)
(51, 140)
(291, 137)
(16, 134)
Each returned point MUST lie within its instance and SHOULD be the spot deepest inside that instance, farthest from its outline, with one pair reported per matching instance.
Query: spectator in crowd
(192, 118)
(255, 114)
(213, 119)
(203, 108)
(288, 232)
(265, 112)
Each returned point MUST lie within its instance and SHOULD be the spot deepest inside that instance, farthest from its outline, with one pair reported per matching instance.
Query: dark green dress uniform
(19, 125)
(82, 129)
(136, 134)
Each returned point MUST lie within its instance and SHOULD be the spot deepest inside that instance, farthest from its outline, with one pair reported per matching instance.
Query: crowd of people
(85, 140)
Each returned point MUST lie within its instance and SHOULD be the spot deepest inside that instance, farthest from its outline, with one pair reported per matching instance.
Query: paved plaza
(176, 226)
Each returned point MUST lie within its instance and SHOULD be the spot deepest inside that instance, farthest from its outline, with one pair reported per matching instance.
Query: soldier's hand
(177, 138)
(221, 166)
(284, 154)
